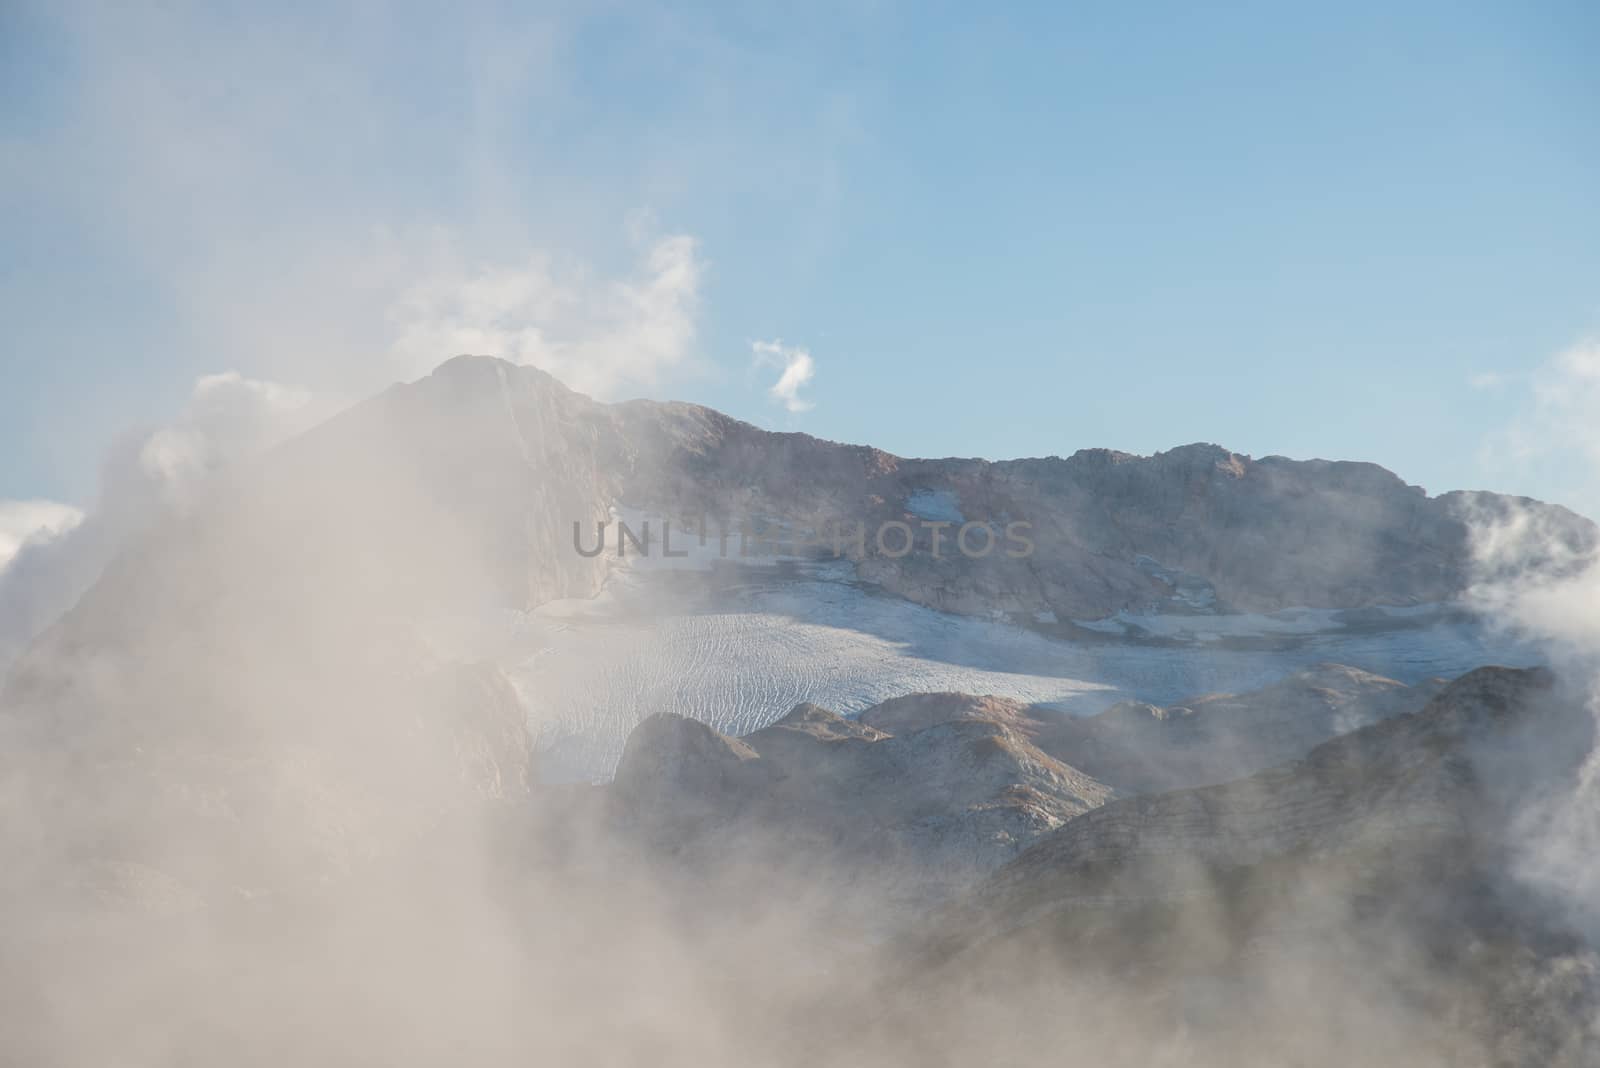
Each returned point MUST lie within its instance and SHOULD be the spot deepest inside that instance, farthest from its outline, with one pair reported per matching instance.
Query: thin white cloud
(598, 335)
(797, 369)
(1563, 411)
(306, 257)
(1554, 429)
(1487, 380)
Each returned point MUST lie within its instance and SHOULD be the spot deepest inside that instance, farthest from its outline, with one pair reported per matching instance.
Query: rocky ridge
(917, 816)
(1209, 738)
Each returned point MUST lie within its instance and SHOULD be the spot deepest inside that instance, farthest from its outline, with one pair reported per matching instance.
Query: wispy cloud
(1562, 409)
(796, 370)
(287, 225)
(1555, 429)
(598, 335)
(1487, 380)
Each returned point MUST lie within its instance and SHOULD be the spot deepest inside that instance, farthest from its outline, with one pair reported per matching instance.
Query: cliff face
(1194, 529)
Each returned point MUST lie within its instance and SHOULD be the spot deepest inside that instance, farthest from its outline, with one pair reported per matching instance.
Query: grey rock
(917, 817)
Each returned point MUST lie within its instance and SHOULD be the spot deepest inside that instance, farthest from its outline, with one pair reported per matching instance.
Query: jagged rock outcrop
(1197, 528)
(918, 815)
(919, 711)
(678, 770)
(1211, 738)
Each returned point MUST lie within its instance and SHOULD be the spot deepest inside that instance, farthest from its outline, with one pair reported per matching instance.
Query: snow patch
(936, 506)
(740, 649)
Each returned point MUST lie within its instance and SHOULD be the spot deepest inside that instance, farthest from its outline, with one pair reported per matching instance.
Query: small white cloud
(1486, 380)
(797, 370)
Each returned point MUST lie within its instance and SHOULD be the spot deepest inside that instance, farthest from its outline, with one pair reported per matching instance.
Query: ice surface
(740, 654)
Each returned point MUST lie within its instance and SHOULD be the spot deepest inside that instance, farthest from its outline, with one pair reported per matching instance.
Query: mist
(323, 743)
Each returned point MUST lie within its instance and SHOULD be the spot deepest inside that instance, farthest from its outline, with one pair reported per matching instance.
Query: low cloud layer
(146, 474)
(1556, 604)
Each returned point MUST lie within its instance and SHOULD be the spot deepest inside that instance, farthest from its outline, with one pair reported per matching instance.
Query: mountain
(296, 605)
(461, 491)
(269, 786)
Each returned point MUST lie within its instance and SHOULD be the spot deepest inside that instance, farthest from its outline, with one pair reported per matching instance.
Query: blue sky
(1346, 231)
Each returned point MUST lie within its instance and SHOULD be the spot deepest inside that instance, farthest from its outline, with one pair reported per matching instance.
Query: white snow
(1210, 628)
(935, 506)
(1412, 611)
(740, 648)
